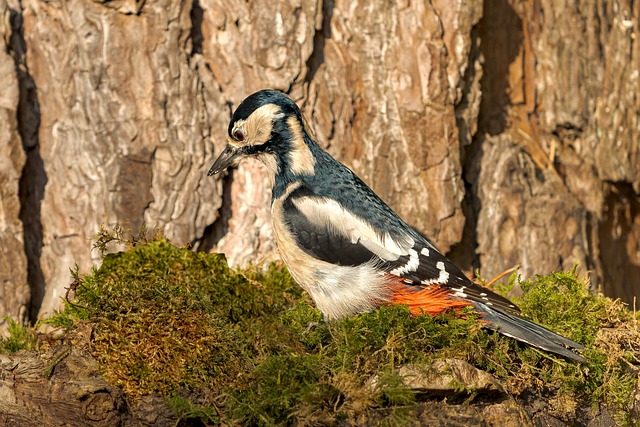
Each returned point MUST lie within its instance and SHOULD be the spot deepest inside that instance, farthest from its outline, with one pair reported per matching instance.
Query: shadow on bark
(500, 36)
(34, 177)
(317, 56)
(619, 235)
(196, 27)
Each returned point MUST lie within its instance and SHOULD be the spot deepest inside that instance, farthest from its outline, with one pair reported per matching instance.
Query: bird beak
(225, 159)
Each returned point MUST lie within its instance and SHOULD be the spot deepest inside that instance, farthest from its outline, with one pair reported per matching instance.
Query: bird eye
(238, 135)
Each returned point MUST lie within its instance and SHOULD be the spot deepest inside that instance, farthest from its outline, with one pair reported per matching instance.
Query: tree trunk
(505, 132)
(15, 294)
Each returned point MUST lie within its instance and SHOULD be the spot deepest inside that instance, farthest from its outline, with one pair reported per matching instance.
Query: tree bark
(62, 387)
(558, 181)
(15, 294)
(505, 132)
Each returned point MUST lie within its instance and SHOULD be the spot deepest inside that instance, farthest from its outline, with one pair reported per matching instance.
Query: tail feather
(528, 332)
(436, 299)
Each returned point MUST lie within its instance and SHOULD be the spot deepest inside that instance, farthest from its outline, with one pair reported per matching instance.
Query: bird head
(268, 125)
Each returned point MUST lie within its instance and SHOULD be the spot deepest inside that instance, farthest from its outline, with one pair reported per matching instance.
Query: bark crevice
(220, 227)
(316, 59)
(34, 178)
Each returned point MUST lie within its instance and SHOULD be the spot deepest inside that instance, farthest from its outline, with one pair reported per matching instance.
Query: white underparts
(340, 291)
(337, 291)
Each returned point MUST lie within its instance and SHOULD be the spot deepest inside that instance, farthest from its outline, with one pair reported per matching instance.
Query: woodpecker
(344, 245)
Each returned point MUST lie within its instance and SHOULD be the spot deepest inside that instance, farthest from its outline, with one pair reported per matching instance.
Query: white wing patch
(329, 214)
(459, 292)
(443, 276)
(411, 265)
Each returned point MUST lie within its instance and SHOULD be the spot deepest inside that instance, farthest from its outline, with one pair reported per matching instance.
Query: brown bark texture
(15, 294)
(507, 132)
(62, 387)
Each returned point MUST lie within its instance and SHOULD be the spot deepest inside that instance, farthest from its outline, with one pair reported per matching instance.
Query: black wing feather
(322, 242)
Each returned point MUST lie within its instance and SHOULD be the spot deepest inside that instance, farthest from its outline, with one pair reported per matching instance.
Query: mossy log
(164, 336)
(64, 387)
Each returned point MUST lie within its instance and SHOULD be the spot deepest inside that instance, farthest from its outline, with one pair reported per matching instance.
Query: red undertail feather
(432, 299)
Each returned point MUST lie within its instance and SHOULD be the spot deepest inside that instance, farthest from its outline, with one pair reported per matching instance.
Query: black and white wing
(327, 231)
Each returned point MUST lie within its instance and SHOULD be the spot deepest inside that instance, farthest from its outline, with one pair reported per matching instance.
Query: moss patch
(17, 337)
(246, 347)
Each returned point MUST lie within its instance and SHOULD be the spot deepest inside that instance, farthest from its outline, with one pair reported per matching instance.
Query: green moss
(280, 387)
(18, 337)
(169, 320)
(606, 327)
(186, 409)
(393, 390)
(576, 312)
(166, 318)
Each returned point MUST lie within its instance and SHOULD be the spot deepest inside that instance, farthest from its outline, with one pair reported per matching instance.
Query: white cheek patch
(302, 160)
(258, 126)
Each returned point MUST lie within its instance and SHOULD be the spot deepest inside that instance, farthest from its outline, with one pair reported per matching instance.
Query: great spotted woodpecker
(343, 244)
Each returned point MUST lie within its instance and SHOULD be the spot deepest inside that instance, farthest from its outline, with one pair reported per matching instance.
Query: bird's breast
(337, 290)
